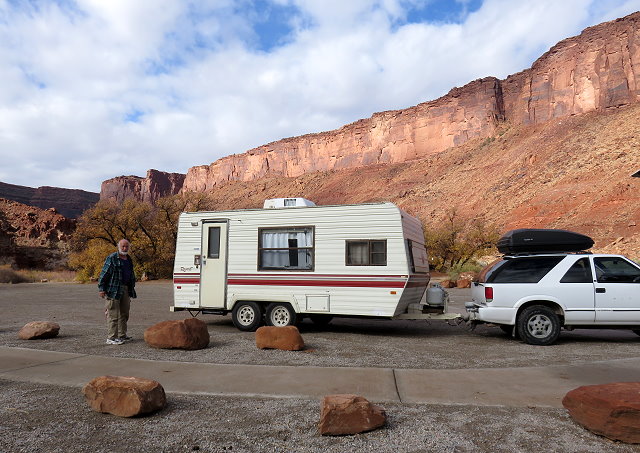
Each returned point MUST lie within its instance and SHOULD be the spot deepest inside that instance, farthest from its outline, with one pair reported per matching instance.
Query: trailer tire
(281, 314)
(320, 320)
(247, 316)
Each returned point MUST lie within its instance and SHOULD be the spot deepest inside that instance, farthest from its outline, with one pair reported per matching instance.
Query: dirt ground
(36, 417)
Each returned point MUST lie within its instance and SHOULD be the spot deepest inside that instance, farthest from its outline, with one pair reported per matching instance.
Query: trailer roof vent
(275, 203)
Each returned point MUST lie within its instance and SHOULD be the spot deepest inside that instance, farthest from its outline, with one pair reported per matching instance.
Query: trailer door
(213, 275)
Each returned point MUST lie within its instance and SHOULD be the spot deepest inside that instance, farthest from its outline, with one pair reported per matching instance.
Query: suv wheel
(538, 325)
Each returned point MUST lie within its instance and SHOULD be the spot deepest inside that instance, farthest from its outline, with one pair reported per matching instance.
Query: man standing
(117, 283)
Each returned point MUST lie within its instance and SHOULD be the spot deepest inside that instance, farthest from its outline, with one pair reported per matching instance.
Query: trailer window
(366, 252)
(213, 249)
(286, 248)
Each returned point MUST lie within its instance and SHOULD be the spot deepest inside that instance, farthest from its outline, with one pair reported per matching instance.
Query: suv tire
(538, 325)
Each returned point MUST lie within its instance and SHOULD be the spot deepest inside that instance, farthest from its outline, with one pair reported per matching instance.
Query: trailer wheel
(247, 316)
(538, 325)
(281, 315)
(320, 320)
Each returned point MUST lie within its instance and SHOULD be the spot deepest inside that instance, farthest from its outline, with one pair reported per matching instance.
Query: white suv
(534, 296)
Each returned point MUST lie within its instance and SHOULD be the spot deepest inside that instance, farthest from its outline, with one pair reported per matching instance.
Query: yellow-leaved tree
(151, 230)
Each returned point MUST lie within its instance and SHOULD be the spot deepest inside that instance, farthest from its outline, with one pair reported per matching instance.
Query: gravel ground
(42, 418)
(39, 418)
(345, 342)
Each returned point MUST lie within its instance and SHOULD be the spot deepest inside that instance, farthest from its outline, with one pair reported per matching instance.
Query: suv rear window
(522, 270)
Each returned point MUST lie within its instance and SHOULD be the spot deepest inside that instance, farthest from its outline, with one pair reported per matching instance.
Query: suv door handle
(601, 290)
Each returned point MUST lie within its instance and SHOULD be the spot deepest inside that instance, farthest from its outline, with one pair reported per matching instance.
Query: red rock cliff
(157, 184)
(596, 70)
(68, 202)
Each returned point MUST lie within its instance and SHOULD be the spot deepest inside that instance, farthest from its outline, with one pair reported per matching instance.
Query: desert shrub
(455, 271)
(8, 275)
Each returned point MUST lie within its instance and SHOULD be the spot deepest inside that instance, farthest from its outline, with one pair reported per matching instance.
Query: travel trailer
(293, 259)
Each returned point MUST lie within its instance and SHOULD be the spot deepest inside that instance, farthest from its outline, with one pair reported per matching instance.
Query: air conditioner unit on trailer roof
(275, 203)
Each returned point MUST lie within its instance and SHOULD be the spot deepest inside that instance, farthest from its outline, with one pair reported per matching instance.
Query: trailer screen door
(213, 276)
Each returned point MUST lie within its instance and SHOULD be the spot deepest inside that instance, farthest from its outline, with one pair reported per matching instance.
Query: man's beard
(122, 253)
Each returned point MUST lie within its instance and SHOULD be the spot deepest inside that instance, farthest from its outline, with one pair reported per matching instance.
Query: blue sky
(92, 89)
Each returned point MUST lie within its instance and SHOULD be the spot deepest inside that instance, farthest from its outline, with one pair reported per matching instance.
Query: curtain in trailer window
(358, 253)
(287, 249)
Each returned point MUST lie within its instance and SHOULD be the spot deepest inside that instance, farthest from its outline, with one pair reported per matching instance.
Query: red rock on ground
(124, 396)
(463, 283)
(286, 338)
(190, 334)
(37, 330)
(349, 414)
(610, 410)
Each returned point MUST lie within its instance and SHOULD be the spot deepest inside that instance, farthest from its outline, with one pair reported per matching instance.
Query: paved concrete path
(517, 387)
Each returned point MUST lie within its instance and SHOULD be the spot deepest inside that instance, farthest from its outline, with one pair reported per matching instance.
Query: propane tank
(436, 295)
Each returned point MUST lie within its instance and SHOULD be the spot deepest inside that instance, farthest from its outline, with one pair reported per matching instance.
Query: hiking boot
(126, 338)
(114, 341)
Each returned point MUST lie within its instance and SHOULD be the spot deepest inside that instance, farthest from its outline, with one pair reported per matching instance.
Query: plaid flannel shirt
(111, 276)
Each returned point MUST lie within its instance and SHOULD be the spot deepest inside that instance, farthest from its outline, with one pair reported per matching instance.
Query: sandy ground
(35, 417)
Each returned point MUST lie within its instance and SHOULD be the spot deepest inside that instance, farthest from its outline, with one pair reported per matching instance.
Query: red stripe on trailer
(186, 280)
(329, 283)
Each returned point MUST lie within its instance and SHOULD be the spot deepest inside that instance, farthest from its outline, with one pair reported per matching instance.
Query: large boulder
(463, 283)
(39, 330)
(349, 414)
(611, 410)
(287, 338)
(124, 396)
(190, 333)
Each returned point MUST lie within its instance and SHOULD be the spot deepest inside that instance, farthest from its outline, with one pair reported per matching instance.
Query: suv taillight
(488, 293)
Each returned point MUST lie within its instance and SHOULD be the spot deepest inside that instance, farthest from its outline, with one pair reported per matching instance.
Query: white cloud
(91, 90)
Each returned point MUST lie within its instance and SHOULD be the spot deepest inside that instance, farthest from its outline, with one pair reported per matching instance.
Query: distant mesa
(71, 203)
(155, 185)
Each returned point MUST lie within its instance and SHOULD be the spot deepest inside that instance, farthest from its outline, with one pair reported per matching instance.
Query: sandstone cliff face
(389, 137)
(68, 202)
(155, 185)
(596, 70)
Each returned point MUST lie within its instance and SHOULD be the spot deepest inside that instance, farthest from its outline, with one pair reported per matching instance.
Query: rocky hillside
(68, 202)
(31, 237)
(571, 173)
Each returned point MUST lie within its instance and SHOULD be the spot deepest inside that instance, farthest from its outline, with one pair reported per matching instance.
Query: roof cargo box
(528, 240)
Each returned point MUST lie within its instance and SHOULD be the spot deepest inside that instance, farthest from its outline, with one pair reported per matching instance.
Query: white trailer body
(350, 260)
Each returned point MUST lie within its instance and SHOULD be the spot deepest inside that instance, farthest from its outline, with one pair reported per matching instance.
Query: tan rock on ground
(190, 334)
(611, 410)
(124, 396)
(349, 414)
(286, 338)
(37, 330)
(463, 283)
